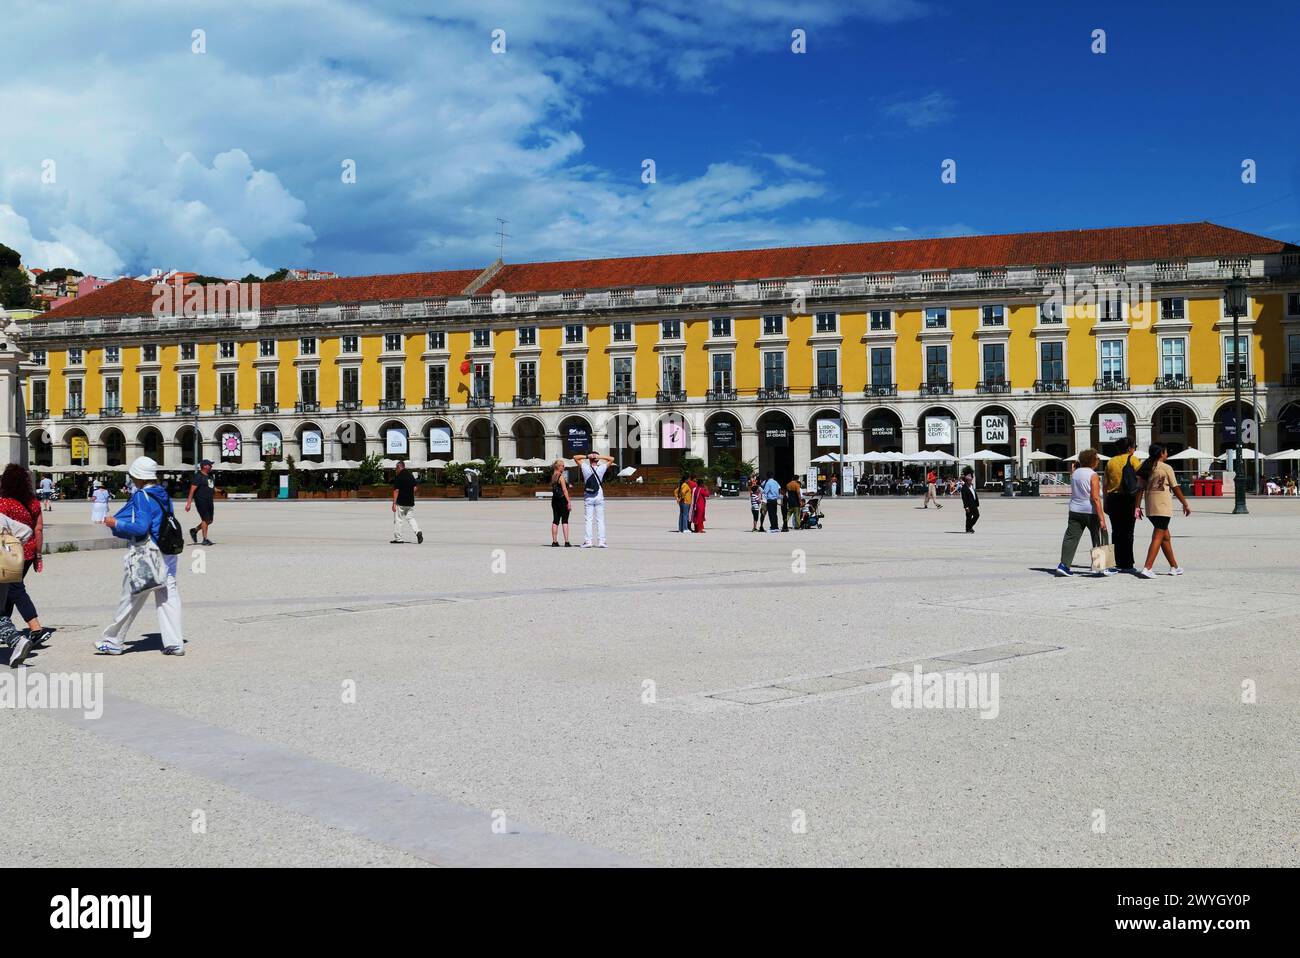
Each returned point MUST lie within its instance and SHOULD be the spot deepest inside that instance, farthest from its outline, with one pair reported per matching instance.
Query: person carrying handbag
(19, 504)
(147, 522)
(1121, 502)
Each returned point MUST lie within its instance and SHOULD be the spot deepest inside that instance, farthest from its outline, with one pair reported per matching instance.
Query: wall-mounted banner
(724, 434)
(1111, 427)
(828, 432)
(271, 444)
(395, 443)
(776, 436)
(994, 431)
(883, 432)
(232, 447)
(439, 440)
(313, 443)
(938, 432)
(80, 447)
(674, 434)
(577, 437)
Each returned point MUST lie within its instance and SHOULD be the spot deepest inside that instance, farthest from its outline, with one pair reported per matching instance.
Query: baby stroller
(810, 515)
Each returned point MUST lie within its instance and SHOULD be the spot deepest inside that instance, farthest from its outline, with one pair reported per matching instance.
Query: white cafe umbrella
(829, 457)
(1039, 456)
(986, 455)
(1284, 454)
(1193, 453)
(436, 464)
(1245, 454)
(537, 463)
(626, 472)
(515, 463)
(929, 455)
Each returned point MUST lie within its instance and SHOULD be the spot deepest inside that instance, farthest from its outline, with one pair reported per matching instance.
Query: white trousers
(167, 601)
(404, 516)
(595, 509)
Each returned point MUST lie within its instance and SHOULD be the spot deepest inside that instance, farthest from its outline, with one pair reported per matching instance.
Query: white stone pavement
(521, 692)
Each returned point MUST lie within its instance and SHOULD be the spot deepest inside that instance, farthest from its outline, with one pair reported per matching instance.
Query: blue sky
(228, 160)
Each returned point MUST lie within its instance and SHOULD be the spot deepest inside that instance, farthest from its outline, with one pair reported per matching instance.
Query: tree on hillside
(9, 258)
(14, 291)
(251, 278)
(60, 275)
(278, 275)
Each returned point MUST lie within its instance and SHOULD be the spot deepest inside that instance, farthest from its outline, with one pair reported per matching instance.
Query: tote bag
(1103, 556)
(146, 569)
(11, 558)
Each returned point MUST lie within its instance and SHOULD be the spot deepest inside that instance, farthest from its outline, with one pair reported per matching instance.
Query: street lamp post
(1235, 299)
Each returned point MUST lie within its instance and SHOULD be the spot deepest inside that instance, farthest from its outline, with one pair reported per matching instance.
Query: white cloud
(923, 112)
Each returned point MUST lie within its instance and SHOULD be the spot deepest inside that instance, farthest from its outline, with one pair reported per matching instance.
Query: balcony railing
(308, 405)
(480, 402)
(993, 386)
(226, 409)
(1173, 382)
(621, 398)
(392, 404)
(34, 414)
(772, 393)
(150, 410)
(266, 408)
(670, 396)
(720, 395)
(1110, 384)
(526, 399)
(74, 412)
(113, 412)
(880, 389)
(936, 389)
(348, 405)
(573, 399)
(1291, 380)
(1051, 385)
(435, 402)
(182, 409)
(1228, 382)
(826, 392)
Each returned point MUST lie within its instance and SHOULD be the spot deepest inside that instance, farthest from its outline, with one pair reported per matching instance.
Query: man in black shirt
(970, 499)
(404, 483)
(201, 488)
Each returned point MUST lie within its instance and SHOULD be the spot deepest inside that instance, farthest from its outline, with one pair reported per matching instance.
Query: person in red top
(18, 502)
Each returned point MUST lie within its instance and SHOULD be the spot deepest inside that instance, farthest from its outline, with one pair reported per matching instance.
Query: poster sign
(994, 430)
(850, 480)
(578, 438)
(395, 443)
(271, 444)
(80, 447)
(440, 440)
(776, 436)
(232, 446)
(1111, 427)
(674, 435)
(938, 432)
(313, 443)
(828, 432)
(810, 480)
(724, 434)
(883, 432)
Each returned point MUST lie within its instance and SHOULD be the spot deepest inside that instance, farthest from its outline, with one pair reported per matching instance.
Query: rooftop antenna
(502, 236)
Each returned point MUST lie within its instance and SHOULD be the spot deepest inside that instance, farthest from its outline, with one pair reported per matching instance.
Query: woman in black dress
(560, 504)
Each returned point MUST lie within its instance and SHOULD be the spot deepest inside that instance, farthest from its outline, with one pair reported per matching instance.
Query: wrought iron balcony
(182, 409)
(151, 410)
(826, 392)
(435, 402)
(265, 408)
(1051, 385)
(1228, 382)
(993, 386)
(936, 389)
(1110, 384)
(772, 393)
(720, 395)
(74, 412)
(112, 412)
(1173, 382)
(348, 405)
(480, 402)
(226, 409)
(306, 406)
(670, 396)
(573, 399)
(621, 399)
(392, 404)
(33, 414)
(530, 399)
(881, 389)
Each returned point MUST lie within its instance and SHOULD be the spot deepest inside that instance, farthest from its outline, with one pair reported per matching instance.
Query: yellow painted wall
(327, 377)
(747, 370)
(1022, 361)
(550, 368)
(909, 366)
(599, 336)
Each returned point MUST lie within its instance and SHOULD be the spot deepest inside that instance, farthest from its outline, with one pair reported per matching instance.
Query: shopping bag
(11, 558)
(1103, 556)
(146, 569)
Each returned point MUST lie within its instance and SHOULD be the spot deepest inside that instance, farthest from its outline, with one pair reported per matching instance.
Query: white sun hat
(144, 469)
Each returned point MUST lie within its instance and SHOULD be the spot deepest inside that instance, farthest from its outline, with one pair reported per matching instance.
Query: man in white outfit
(593, 468)
(142, 518)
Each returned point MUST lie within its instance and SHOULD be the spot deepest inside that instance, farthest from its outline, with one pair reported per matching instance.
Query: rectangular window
(438, 382)
(226, 390)
(482, 381)
(672, 373)
(773, 325)
(993, 315)
(38, 356)
(527, 337)
(187, 351)
(307, 346)
(671, 329)
(393, 383)
(351, 384)
(40, 398)
(773, 370)
(112, 392)
(1050, 312)
(936, 317)
(75, 357)
(995, 362)
(1173, 308)
(148, 354)
(1293, 304)
(482, 338)
(936, 365)
(265, 348)
(573, 333)
(1112, 360)
(226, 349)
(348, 344)
(149, 392)
(882, 366)
(437, 339)
(1236, 361)
(528, 378)
(882, 320)
(392, 342)
(828, 371)
(1110, 307)
(1053, 361)
(721, 327)
(1293, 356)
(307, 392)
(573, 378)
(76, 399)
(721, 372)
(623, 375)
(622, 332)
(1173, 358)
(825, 322)
(189, 390)
(266, 387)
(112, 355)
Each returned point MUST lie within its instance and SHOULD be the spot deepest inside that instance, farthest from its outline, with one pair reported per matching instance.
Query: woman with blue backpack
(147, 522)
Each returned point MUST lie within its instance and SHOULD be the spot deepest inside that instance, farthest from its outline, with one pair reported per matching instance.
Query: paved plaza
(721, 699)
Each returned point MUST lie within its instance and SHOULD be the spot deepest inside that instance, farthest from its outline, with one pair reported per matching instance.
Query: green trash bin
(1186, 486)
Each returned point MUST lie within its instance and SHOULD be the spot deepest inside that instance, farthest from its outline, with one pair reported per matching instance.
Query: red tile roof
(128, 297)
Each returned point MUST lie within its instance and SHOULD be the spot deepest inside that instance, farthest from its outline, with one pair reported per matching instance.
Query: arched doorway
(623, 433)
(1112, 414)
(674, 439)
(230, 446)
(151, 444)
(937, 430)
(1288, 427)
(438, 435)
(396, 439)
(530, 438)
(995, 431)
(187, 440)
(39, 448)
(311, 442)
(576, 437)
(352, 441)
(1173, 425)
(882, 431)
(776, 446)
(482, 437)
(1225, 438)
(78, 447)
(269, 441)
(722, 432)
(114, 447)
(1053, 431)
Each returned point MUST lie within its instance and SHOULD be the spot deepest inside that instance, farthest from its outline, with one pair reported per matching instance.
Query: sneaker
(586, 545)
(602, 546)
(419, 538)
(1063, 570)
(568, 545)
(107, 648)
(555, 545)
(1176, 570)
(1147, 574)
(18, 652)
(170, 651)
(206, 542)
(194, 535)
(1110, 571)
(396, 542)
(39, 637)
